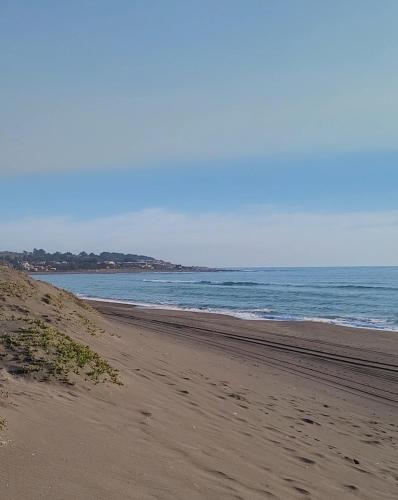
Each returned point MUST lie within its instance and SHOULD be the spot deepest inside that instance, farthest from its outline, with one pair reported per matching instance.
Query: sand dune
(211, 407)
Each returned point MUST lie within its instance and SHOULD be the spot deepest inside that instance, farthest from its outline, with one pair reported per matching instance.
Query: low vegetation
(42, 351)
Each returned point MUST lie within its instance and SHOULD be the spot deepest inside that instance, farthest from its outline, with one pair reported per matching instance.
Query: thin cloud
(85, 132)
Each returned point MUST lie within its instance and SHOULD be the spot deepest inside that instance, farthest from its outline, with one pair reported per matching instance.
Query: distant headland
(40, 261)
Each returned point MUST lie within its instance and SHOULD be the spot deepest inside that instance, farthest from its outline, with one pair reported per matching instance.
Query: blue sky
(206, 113)
(347, 182)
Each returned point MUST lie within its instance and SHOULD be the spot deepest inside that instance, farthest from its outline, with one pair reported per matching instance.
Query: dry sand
(212, 407)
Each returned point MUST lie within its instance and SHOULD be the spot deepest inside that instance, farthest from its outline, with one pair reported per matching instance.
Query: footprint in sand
(309, 421)
(372, 442)
(351, 487)
(301, 490)
(306, 460)
(237, 396)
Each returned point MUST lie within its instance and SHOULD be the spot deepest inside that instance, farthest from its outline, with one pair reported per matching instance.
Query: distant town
(40, 261)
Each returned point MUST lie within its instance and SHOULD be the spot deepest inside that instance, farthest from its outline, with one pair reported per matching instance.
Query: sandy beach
(211, 407)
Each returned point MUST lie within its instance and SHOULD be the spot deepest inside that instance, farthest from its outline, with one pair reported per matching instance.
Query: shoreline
(307, 330)
(239, 315)
(333, 352)
(364, 300)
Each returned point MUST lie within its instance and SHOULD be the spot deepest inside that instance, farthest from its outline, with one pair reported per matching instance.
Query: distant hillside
(41, 261)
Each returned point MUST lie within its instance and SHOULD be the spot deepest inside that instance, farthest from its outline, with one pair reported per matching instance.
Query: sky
(228, 133)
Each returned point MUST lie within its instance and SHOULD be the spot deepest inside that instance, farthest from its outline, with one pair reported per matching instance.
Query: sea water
(351, 296)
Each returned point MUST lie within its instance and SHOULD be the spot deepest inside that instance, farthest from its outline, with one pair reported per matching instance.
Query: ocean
(350, 296)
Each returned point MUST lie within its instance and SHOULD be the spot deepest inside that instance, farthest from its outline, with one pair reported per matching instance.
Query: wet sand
(360, 361)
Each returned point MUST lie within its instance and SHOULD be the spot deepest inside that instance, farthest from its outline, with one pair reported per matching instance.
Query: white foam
(169, 281)
(365, 323)
(254, 314)
(170, 307)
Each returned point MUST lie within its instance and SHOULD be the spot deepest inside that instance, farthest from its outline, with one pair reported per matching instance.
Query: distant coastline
(41, 261)
(132, 271)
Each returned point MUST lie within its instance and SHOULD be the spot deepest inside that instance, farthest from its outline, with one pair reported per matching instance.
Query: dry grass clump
(13, 289)
(3, 423)
(47, 298)
(89, 325)
(42, 350)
